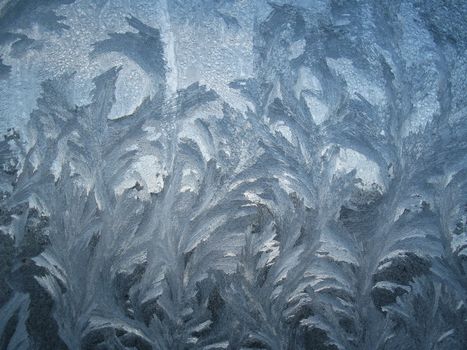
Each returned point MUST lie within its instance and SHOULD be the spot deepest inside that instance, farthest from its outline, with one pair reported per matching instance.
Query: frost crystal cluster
(233, 174)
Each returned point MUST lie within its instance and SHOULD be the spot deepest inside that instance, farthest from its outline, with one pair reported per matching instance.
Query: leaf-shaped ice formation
(297, 178)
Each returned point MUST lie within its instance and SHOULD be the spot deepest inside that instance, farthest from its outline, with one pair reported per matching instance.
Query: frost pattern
(289, 176)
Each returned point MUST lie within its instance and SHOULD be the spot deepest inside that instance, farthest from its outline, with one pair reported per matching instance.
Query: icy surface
(233, 174)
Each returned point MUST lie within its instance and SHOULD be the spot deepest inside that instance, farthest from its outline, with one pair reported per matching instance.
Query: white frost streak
(168, 36)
